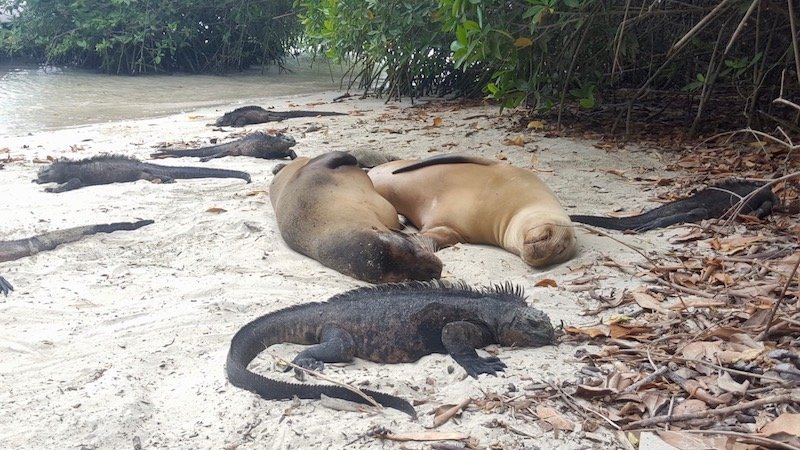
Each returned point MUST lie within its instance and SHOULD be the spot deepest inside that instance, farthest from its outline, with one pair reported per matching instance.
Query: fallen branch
(316, 374)
(778, 399)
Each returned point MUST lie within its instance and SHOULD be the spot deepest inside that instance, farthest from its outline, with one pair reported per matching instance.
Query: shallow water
(33, 98)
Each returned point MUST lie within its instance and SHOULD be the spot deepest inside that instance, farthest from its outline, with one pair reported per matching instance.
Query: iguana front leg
(74, 183)
(5, 286)
(763, 210)
(335, 345)
(460, 340)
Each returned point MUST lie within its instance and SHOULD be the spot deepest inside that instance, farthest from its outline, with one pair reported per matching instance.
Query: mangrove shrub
(138, 36)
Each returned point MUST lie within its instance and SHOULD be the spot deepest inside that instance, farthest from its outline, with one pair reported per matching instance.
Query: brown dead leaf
(522, 42)
(594, 331)
(690, 406)
(518, 140)
(501, 156)
(785, 423)
(437, 121)
(686, 441)
(546, 282)
(423, 436)
(555, 419)
(535, 125)
(618, 330)
(253, 193)
(647, 301)
(617, 172)
(446, 412)
(4, 150)
(216, 210)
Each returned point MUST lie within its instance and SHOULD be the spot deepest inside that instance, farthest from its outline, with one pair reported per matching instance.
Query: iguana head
(525, 327)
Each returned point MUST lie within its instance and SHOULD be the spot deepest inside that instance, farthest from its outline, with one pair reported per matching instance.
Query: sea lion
(327, 209)
(453, 198)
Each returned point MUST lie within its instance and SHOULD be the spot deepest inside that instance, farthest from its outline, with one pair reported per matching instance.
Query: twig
(316, 374)
(777, 399)
(793, 26)
(699, 26)
(575, 403)
(765, 334)
(635, 386)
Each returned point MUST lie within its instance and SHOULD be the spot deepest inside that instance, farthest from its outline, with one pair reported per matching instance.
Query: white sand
(120, 340)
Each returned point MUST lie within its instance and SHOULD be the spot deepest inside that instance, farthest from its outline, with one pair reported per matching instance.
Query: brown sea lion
(453, 198)
(327, 209)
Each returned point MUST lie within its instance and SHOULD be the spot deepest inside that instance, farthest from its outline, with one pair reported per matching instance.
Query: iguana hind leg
(335, 345)
(5, 286)
(460, 340)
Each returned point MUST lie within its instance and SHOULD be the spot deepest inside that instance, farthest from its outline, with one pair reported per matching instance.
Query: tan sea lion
(327, 209)
(453, 198)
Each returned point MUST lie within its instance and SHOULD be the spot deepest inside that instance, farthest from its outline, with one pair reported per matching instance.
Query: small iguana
(708, 203)
(257, 145)
(20, 248)
(108, 169)
(248, 115)
(389, 323)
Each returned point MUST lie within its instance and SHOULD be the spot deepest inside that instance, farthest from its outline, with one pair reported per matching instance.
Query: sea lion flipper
(443, 236)
(333, 160)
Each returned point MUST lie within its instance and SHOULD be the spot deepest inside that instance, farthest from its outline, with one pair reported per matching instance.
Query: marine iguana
(108, 169)
(20, 248)
(708, 203)
(248, 115)
(389, 323)
(257, 145)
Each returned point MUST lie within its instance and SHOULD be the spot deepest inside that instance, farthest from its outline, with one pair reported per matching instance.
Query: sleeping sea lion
(453, 198)
(327, 209)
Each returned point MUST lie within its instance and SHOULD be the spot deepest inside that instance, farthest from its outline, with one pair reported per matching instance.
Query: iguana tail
(247, 344)
(610, 223)
(11, 250)
(199, 152)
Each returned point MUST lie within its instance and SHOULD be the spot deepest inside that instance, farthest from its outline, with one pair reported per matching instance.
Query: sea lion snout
(547, 244)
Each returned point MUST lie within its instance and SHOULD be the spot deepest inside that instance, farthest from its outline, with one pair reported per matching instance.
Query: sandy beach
(119, 340)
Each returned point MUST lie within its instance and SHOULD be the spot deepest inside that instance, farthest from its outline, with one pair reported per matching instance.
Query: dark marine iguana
(389, 323)
(108, 169)
(257, 145)
(20, 248)
(248, 115)
(709, 203)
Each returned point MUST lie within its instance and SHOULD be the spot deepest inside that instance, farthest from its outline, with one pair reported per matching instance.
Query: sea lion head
(525, 327)
(548, 243)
